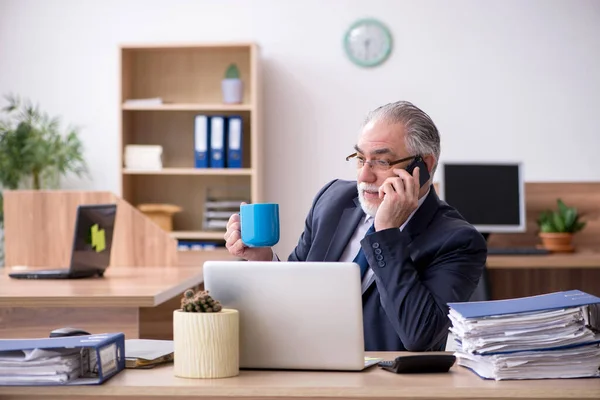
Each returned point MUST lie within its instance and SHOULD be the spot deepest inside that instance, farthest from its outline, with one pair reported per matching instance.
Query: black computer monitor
(491, 196)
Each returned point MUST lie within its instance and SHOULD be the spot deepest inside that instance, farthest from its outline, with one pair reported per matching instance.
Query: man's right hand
(237, 248)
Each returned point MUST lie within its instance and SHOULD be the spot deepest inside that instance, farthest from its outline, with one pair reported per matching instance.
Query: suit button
(377, 251)
(375, 245)
(379, 257)
(381, 264)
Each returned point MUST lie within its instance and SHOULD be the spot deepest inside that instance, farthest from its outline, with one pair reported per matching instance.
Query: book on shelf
(234, 142)
(198, 245)
(218, 141)
(548, 336)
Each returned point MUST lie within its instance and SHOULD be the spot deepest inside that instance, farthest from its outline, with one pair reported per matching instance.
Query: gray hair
(422, 136)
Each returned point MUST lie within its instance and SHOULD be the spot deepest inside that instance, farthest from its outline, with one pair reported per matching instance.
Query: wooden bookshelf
(191, 171)
(197, 235)
(187, 77)
(188, 107)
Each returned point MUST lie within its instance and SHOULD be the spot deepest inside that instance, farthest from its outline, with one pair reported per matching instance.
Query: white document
(147, 349)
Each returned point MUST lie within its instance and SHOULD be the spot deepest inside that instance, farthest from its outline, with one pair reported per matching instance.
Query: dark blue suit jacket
(438, 258)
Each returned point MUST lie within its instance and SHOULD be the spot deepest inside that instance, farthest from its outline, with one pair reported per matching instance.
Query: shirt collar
(370, 219)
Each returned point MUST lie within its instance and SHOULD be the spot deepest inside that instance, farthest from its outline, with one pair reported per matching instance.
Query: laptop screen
(93, 237)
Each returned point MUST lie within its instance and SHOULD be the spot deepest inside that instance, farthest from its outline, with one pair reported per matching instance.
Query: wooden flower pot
(206, 345)
(557, 242)
(161, 214)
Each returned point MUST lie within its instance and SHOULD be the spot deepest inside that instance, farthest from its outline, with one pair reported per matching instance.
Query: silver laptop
(293, 315)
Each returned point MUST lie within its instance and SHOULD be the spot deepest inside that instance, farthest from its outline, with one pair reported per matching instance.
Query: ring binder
(71, 360)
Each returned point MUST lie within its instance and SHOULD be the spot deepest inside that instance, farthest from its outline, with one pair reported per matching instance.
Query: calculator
(419, 363)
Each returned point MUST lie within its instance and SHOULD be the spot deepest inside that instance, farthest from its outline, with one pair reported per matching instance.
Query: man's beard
(368, 208)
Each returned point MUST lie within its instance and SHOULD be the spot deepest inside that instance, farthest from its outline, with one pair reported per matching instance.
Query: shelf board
(192, 171)
(200, 235)
(191, 45)
(187, 107)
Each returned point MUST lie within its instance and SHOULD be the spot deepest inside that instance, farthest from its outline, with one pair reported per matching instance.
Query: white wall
(514, 80)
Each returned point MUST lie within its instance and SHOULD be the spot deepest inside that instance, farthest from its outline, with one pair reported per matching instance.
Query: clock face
(368, 43)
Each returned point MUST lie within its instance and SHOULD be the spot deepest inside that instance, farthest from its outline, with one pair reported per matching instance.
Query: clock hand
(367, 42)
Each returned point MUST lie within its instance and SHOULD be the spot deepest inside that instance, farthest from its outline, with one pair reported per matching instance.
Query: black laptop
(92, 243)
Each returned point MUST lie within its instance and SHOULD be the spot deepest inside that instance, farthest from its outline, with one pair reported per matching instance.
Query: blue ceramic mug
(259, 224)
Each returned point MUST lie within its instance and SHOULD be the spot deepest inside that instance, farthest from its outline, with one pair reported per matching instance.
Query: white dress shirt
(354, 244)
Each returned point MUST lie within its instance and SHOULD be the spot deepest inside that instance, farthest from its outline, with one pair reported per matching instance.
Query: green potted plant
(34, 152)
(205, 338)
(231, 86)
(557, 227)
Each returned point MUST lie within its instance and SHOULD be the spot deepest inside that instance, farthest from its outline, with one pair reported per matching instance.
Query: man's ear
(429, 161)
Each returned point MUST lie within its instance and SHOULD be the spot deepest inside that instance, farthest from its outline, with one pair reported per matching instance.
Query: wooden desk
(583, 259)
(138, 301)
(373, 383)
(518, 276)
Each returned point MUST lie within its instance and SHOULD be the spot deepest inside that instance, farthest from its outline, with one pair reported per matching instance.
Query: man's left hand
(400, 198)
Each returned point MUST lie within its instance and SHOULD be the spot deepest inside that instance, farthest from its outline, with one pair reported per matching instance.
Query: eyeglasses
(380, 165)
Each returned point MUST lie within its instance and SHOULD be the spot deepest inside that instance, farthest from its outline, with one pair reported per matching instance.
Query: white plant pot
(233, 91)
(206, 345)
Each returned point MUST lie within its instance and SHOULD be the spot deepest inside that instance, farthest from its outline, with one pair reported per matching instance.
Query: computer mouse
(62, 332)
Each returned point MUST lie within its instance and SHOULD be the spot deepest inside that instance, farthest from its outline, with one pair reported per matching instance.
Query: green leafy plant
(563, 220)
(199, 302)
(33, 150)
(232, 72)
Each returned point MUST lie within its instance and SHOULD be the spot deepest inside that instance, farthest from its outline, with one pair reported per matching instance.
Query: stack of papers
(40, 366)
(218, 212)
(152, 101)
(142, 157)
(547, 336)
(147, 353)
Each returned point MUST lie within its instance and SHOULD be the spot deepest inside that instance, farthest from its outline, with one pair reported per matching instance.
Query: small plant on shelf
(199, 301)
(232, 72)
(231, 86)
(557, 227)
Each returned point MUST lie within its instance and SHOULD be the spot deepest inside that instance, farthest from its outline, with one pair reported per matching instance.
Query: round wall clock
(368, 43)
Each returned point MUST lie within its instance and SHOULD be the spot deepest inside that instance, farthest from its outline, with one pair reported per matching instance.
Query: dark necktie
(360, 258)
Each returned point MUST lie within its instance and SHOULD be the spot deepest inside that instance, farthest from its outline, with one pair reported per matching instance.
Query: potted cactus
(232, 86)
(206, 338)
(557, 227)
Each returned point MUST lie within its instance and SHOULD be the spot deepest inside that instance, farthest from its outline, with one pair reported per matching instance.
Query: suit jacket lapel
(419, 221)
(345, 229)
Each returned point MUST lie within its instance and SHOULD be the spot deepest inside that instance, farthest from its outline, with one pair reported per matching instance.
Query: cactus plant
(232, 72)
(199, 301)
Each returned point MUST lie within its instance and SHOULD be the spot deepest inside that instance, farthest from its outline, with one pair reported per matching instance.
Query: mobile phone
(423, 171)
